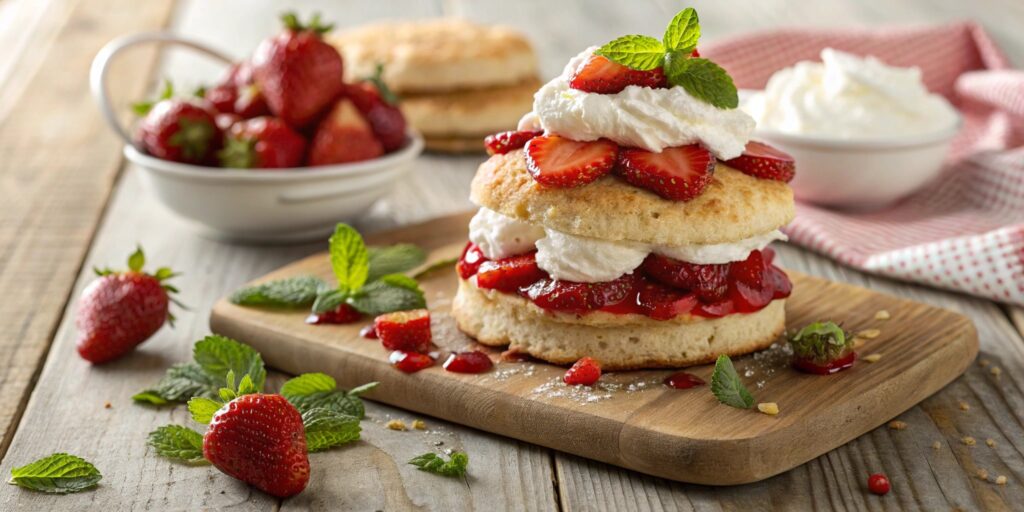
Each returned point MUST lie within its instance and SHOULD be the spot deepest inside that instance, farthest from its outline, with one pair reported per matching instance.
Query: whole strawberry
(260, 440)
(121, 310)
(298, 73)
(178, 129)
(262, 143)
(237, 93)
(380, 108)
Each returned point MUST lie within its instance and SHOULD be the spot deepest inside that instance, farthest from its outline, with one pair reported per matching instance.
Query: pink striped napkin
(965, 231)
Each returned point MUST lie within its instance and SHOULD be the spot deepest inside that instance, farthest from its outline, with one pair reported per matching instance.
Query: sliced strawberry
(749, 271)
(585, 372)
(564, 296)
(709, 282)
(470, 261)
(410, 362)
(556, 161)
(763, 161)
(663, 303)
(600, 75)
(473, 361)
(503, 142)
(343, 136)
(404, 330)
(510, 274)
(613, 292)
(779, 282)
(679, 174)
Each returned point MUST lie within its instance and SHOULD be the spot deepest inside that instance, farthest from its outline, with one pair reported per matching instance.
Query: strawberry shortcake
(628, 218)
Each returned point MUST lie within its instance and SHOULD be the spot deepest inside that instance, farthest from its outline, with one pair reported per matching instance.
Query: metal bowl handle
(98, 71)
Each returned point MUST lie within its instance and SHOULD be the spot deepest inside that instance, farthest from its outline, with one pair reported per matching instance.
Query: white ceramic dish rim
(294, 174)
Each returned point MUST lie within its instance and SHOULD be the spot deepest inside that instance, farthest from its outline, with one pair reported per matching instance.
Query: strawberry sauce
(834, 366)
(468, 362)
(369, 332)
(683, 380)
(662, 288)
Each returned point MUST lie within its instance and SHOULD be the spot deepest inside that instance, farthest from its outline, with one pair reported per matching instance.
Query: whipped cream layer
(849, 97)
(642, 117)
(590, 260)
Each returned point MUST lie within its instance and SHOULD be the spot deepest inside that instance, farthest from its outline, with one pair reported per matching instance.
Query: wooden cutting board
(630, 419)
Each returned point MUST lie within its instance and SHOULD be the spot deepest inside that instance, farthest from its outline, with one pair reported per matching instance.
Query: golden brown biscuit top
(733, 207)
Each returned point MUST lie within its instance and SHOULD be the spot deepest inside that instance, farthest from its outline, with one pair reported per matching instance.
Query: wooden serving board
(630, 419)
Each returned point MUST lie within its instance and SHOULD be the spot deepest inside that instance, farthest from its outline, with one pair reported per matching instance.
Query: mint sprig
(317, 390)
(326, 428)
(293, 292)
(214, 357)
(393, 259)
(700, 78)
(59, 473)
(179, 443)
(434, 463)
(727, 386)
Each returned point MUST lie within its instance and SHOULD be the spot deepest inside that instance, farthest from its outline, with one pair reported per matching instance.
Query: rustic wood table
(72, 203)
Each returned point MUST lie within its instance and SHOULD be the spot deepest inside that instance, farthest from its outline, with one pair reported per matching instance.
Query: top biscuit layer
(734, 206)
(438, 55)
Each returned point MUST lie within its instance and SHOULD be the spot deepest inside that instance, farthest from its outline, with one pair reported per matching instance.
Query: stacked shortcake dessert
(628, 217)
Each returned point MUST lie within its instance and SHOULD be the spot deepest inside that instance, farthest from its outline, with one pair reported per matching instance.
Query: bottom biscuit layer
(647, 344)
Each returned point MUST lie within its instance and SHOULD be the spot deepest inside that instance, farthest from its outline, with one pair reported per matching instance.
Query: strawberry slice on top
(679, 174)
(503, 142)
(558, 162)
(600, 75)
(763, 161)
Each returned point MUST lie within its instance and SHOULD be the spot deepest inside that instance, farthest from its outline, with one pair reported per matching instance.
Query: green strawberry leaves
(179, 443)
(727, 386)
(821, 341)
(59, 473)
(143, 107)
(701, 78)
(434, 463)
(349, 258)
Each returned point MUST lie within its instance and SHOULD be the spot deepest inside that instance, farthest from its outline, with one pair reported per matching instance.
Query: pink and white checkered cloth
(963, 232)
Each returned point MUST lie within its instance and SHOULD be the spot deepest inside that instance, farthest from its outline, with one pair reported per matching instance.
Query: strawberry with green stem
(379, 106)
(178, 129)
(822, 348)
(122, 309)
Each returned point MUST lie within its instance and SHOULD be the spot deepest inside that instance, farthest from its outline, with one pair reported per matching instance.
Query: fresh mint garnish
(214, 356)
(317, 390)
(436, 266)
(59, 473)
(701, 78)
(326, 428)
(727, 386)
(349, 258)
(393, 292)
(181, 382)
(178, 442)
(434, 463)
(821, 342)
(293, 292)
(393, 259)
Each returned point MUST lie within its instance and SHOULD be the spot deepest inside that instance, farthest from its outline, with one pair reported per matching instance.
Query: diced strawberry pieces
(369, 332)
(663, 303)
(468, 362)
(584, 372)
(748, 299)
(404, 330)
(749, 271)
(709, 282)
(715, 309)
(562, 296)
(763, 161)
(610, 293)
(825, 368)
(470, 261)
(343, 314)
(509, 274)
(503, 142)
(600, 75)
(410, 362)
(779, 283)
(695, 54)
(556, 161)
(679, 174)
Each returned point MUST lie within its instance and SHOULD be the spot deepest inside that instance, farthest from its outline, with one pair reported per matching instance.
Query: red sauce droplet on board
(468, 362)
(369, 332)
(344, 314)
(683, 380)
(410, 362)
(836, 365)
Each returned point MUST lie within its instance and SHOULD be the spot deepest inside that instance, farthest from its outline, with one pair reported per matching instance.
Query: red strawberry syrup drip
(683, 380)
(410, 362)
(833, 366)
(369, 332)
(468, 362)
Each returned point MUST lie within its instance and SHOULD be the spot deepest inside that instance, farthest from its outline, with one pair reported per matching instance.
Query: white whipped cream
(652, 119)
(849, 97)
(590, 260)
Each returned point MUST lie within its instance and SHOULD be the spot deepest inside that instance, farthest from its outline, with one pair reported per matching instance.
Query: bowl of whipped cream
(864, 134)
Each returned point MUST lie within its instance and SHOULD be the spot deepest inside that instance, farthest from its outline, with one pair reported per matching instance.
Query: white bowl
(272, 205)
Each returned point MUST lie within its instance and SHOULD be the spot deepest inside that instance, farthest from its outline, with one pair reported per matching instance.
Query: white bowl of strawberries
(280, 149)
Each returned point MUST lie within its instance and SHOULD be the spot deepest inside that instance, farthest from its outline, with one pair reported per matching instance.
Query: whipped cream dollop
(590, 260)
(849, 97)
(652, 119)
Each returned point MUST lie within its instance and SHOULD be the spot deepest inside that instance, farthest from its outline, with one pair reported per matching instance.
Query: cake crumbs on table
(419, 425)
(396, 425)
(769, 408)
(982, 474)
(996, 371)
(872, 358)
(964, 406)
(107, 405)
(984, 362)
(882, 314)
(968, 440)
(1001, 480)
(990, 442)
(897, 425)
(869, 334)
(936, 445)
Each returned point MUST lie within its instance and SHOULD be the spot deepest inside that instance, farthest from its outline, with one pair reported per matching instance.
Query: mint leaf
(203, 409)
(393, 259)
(727, 387)
(317, 390)
(284, 293)
(326, 428)
(434, 463)
(329, 300)
(394, 292)
(363, 389)
(643, 53)
(434, 267)
(179, 443)
(218, 355)
(181, 382)
(702, 78)
(59, 473)
(349, 258)
(683, 31)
